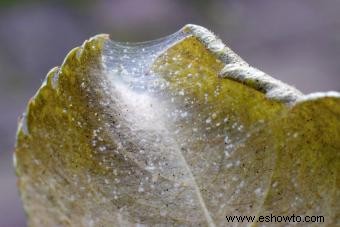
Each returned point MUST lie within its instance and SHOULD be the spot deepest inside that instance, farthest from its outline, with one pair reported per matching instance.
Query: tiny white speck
(258, 191)
(181, 92)
(229, 165)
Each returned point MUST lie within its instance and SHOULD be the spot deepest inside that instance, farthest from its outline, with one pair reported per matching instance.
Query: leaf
(177, 131)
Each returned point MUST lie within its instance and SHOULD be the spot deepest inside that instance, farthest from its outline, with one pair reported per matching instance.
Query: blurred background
(297, 41)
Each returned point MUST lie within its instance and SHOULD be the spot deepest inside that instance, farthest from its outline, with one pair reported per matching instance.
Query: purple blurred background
(296, 41)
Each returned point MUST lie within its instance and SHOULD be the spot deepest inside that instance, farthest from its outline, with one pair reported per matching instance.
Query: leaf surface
(177, 131)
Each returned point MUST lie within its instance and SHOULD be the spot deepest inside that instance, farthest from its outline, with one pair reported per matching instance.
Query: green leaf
(177, 131)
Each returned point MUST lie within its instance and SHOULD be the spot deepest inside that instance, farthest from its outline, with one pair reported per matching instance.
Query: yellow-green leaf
(174, 132)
